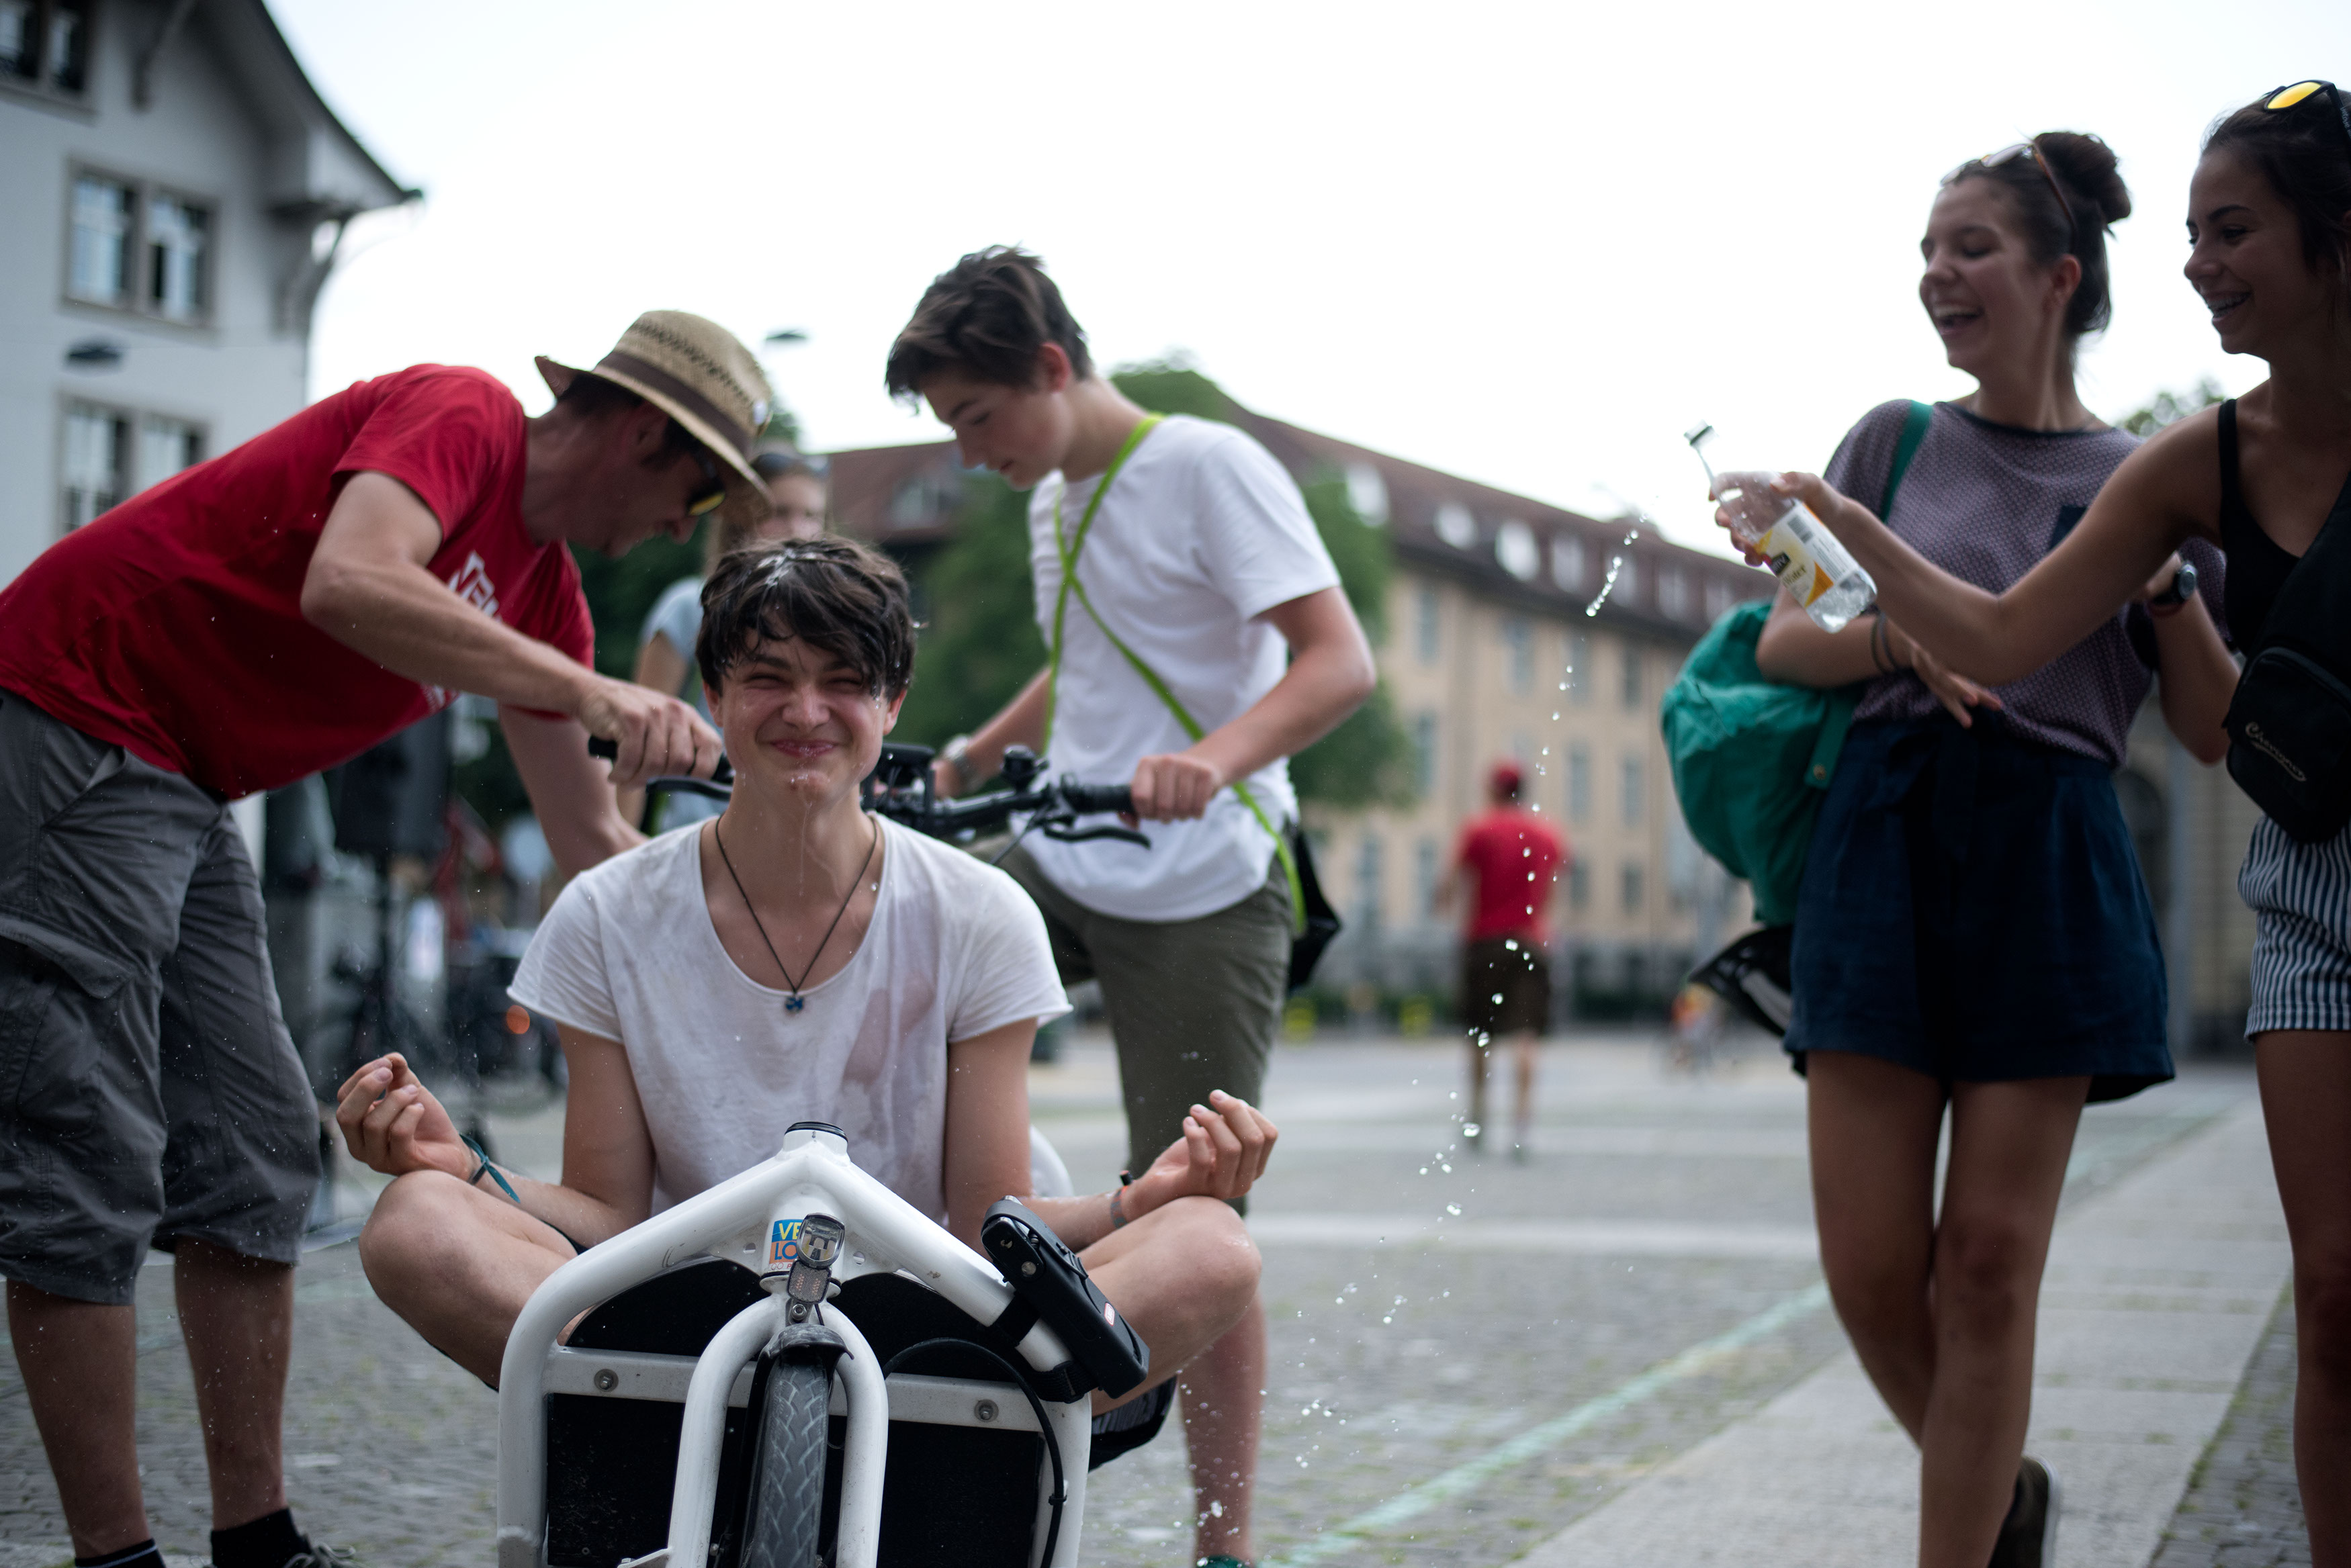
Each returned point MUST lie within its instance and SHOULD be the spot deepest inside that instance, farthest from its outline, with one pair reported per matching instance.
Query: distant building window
(1368, 867)
(1427, 627)
(1632, 679)
(1567, 564)
(140, 248)
(1636, 890)
(96, 461)
(45, 43)
(1673, 593)
(1636, 796)
(1515, 549)
(1628, 592)
(1579, 784)
(101, 240)
(1519, 653)
(1578, 673)
(166, 447)
(1718, 600)
(910, 503)
(1424, 753)
(177, 254)
(1456, 526)
(1367, 492)
(1578, 886)
(1425, 873)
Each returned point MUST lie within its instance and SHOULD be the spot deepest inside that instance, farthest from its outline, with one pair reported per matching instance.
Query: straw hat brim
(748, 501)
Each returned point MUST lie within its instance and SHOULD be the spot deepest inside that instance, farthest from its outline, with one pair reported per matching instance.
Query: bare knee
(1221, 1264)
(416, 1229)
(1987, 1276)
(2322, 1306)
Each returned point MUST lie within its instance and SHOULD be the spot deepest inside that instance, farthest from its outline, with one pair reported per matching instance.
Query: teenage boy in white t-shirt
(796, 959)
(1200, 558)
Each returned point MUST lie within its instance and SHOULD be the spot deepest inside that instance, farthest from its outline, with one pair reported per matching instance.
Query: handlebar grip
(597, 746)
(1091, 797)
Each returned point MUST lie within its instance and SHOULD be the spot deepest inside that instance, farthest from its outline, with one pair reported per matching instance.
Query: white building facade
(175, 191)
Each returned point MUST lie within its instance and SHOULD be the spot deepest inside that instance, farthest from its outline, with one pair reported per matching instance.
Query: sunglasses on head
(713, 493)
(2009, 155)
(2287, 97)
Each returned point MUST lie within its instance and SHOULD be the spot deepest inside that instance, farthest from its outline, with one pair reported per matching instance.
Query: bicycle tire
(788, 1490)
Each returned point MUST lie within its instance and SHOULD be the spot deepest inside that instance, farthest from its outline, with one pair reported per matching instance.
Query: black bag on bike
(1049, 1282)
(2289, 722)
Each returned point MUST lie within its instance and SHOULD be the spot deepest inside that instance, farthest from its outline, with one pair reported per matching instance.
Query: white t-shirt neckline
(717, 944)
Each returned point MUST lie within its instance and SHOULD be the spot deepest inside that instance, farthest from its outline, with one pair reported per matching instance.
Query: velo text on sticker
(783, 1244)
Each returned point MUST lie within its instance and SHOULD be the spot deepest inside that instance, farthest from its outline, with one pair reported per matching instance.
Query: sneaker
(2028, 1536)
(321, 1556)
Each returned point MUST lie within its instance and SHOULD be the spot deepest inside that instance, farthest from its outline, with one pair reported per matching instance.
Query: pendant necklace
(795, 1001)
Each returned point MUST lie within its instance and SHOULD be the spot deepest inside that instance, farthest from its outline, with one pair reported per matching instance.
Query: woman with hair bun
(1973, 936)
(2269, 225)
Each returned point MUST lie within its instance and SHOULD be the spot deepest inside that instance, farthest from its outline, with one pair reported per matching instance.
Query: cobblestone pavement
(1470, 1353)
(2242, 1509)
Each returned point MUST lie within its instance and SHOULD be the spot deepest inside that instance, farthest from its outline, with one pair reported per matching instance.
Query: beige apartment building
(1500, 643)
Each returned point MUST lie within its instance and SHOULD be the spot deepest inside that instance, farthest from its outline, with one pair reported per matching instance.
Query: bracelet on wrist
(496, 1175)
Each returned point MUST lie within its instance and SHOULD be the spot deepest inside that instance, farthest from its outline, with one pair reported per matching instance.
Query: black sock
(143, 1555)
(265, 1543)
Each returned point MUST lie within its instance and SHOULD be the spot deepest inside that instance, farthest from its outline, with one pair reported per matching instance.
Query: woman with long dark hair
(2269, 224)
(1973, 936)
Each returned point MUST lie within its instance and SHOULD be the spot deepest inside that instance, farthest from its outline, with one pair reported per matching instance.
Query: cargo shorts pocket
(58, 1086)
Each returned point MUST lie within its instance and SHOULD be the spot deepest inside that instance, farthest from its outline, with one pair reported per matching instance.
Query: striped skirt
(2300, 895)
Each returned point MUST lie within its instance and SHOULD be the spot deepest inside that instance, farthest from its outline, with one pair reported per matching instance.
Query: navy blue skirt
(1972, 910)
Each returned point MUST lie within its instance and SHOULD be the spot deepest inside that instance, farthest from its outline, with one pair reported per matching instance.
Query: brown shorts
(1505, 988)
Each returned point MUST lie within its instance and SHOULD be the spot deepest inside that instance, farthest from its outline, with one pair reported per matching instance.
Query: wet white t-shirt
(1203, 532)
(956, 949)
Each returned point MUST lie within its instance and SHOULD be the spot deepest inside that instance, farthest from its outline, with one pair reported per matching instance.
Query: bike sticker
(783, 1244)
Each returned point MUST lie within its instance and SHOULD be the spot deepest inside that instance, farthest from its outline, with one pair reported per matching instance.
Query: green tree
(2169, 407)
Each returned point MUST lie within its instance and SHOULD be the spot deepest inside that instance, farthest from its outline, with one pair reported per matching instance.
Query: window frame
(136, 481)
(42, 85)
(138, 302)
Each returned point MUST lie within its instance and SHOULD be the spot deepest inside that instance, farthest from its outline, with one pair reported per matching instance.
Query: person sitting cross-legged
(795, 958)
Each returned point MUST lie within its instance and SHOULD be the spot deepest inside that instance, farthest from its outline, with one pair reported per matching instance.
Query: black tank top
(2258, 563)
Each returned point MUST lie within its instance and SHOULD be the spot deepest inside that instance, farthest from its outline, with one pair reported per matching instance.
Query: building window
(166, 447)
(1367, 878)
(1577, 676)
(1567, 564)
(139, 248)
(1673, 593)
(101, 240)
(1628, 581)
(1456, 526)
(1718, 600)
(45, 43)
(1427, 627)
(1424, 753)
(1634, 889)
(1578, 886)
(95, 460)
(177, 254)
(1636, 796)
(1519, 653)
(1516, 550)
(1367, 492)
(1632, 679)
(1579, 784)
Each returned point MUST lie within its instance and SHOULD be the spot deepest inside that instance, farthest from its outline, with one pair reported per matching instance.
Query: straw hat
(695, 371)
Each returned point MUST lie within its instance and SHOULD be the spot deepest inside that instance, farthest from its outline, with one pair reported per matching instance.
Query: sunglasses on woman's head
(2287, 97)
(2016, 149)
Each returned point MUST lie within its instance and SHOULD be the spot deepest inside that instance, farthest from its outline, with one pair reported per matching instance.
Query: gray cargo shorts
(149, 1091)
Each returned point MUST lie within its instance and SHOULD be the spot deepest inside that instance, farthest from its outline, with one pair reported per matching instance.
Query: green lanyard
(1068, 548)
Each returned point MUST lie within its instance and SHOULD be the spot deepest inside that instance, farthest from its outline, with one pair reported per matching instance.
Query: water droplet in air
(1452, 1208)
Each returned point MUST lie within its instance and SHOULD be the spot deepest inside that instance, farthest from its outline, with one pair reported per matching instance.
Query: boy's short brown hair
(835, 595)
(986, 316)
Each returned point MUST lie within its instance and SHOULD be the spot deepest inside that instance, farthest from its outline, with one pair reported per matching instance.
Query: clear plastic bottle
(1811, 563)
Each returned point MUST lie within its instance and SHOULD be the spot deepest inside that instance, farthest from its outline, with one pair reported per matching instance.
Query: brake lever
(1065, 830)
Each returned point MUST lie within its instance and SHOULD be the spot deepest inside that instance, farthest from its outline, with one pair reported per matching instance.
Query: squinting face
(1990, 302)
(2246, 261)
(799, 500)
(1019, 432)
(799, 721)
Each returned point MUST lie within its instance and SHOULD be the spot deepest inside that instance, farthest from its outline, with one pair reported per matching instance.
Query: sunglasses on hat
(2031, 150)
(2287, 97)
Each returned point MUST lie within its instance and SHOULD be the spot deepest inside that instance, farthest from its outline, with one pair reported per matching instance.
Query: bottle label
(1787, 549)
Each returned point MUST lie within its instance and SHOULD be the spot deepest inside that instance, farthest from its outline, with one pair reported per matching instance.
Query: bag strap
(1068, 548)
(1820, 766)
(1914, 431)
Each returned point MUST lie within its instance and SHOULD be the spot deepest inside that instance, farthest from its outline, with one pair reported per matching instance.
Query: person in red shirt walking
(258, 618)
(1511, 858)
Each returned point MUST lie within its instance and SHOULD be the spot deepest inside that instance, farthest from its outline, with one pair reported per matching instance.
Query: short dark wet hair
(845, 598)
(986, 316)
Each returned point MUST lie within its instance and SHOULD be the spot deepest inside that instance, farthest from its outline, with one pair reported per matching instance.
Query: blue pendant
(794, 1002)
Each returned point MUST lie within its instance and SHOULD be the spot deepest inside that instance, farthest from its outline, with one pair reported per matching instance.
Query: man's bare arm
(370, 589)
(570, 791)
(1021, 723)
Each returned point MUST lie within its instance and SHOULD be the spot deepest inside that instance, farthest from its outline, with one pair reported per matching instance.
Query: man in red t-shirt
(1511, 857)
(260, 616)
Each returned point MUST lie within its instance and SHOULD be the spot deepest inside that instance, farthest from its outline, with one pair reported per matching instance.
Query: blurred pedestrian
(2269, 222)
(258, 618)
(1205, 641)
(1511, 860)
(1973, 936)
(796, 487)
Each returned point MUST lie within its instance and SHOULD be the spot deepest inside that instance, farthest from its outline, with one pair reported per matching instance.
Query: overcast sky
(1529, 243)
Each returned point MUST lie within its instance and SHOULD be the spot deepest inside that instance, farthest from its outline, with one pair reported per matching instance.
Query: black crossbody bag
(2290, 720)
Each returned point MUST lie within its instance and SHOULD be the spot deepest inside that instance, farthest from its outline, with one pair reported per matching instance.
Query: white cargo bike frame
(749, 1220)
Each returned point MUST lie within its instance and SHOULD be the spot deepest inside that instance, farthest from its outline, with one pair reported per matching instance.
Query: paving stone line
(2242, 1508)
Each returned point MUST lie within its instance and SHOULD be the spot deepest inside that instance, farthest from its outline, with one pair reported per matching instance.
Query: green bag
(1750, 756)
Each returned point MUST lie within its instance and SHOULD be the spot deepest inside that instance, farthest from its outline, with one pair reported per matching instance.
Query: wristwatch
(2182, 589)
(952, 754)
